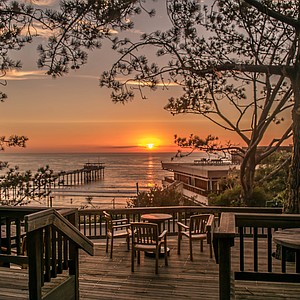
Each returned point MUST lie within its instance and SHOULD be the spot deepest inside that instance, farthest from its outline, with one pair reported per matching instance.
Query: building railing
(192, 188)
(233, 229)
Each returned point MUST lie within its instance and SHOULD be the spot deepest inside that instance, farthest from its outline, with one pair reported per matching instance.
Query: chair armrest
(210, 228)
(163, 234)
(210, 220)
(183, 225)
(210, 223)
(121, 226)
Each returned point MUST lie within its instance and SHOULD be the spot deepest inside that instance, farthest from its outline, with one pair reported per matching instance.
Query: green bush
(259, 197)
(230, 197)
(157, 196)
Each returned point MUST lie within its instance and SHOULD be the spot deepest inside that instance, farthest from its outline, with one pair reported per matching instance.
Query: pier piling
(89, 173)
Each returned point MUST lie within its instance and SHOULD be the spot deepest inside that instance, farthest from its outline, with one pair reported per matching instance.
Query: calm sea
(123, 173)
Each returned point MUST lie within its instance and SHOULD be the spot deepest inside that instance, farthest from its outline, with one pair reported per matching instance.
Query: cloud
(144, 83)
(136, 31)
(41, 31)
(120, 147)
(41, 2)
(24, 75)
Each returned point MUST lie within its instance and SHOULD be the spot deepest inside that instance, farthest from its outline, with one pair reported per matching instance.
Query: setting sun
(149, 143)
(150, 146)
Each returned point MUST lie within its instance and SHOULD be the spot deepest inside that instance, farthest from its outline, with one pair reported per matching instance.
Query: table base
(160, 255)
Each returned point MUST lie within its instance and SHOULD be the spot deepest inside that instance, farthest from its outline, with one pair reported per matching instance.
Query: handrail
(203, 209)
(7, 210)
(50, 216)
(52, 246)
(267, 220)
(227, 226)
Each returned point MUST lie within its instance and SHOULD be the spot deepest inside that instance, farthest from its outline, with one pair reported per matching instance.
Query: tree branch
(276, 15)
(264, 69)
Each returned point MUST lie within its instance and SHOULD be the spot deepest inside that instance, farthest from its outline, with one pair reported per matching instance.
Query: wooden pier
(89, 173)
(15, 191)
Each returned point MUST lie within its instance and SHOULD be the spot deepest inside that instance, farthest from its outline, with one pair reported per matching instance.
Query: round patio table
(157, 219)
(289, 239)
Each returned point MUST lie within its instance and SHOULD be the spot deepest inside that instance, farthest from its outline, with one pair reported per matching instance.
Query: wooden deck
(103, 278)
(182, 279)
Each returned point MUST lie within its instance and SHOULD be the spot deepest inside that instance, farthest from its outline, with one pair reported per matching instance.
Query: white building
(197, 177)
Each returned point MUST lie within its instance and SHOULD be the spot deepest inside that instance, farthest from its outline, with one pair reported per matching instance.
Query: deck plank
(180, 280)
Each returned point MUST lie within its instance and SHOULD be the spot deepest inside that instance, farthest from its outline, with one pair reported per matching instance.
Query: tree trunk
(293, 203)
(247, 176)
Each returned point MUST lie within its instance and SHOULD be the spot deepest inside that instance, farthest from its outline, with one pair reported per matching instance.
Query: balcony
(242, 241)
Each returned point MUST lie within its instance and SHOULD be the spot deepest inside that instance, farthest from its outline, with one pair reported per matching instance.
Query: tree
(272, 176)
(12, 141)
(241, 54)
(74, 28)
(269, 184)
(20, 188)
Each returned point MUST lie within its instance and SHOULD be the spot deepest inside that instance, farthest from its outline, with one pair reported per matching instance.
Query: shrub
(157, 196)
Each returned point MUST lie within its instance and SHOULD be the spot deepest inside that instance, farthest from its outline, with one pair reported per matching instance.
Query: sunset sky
(73, 114)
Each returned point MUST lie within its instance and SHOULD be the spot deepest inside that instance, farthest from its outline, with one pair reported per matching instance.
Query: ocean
(123, 173)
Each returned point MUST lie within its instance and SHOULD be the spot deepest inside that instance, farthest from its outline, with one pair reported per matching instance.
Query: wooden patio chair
(116, 229)
(146, 237)
(198, 229)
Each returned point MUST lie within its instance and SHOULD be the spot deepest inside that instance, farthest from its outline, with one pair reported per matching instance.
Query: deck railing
(12, 234)
(233, 229)
(51, 242)
(92, 223)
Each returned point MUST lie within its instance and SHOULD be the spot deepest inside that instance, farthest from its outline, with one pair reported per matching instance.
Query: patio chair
(198, 229)
(146, 237)
(116, 229)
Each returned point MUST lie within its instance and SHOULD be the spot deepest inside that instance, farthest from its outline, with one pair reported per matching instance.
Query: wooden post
(224, 254)
(224, 240)
(34, 251)
(74, 266)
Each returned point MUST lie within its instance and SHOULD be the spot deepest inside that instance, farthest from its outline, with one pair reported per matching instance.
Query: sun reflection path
(150, 172)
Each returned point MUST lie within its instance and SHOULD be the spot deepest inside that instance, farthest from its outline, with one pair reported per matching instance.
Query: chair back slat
(144, 233)
(146, 238)
(108, 222)
(198, 223)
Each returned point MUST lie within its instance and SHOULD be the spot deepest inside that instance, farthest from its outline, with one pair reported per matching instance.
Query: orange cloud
(24, 75)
